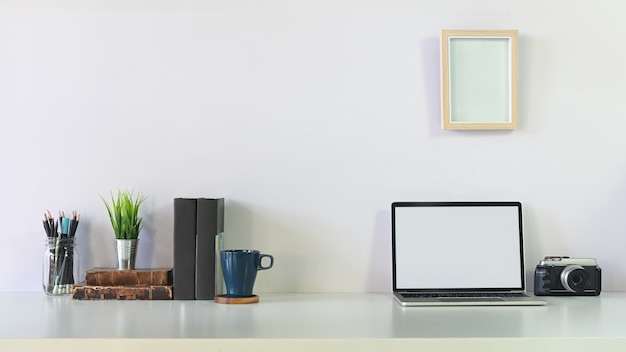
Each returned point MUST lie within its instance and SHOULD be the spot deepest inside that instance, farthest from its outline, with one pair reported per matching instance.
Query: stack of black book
(198, 231)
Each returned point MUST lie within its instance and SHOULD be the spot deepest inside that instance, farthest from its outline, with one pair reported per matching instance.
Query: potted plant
(124, 215)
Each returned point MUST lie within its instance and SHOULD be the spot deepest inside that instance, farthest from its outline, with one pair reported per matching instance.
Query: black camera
(565, 276)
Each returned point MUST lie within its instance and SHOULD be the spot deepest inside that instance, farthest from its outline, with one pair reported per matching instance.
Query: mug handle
(261, 267)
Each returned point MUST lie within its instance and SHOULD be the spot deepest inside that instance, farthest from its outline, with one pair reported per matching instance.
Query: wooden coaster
(236, 300)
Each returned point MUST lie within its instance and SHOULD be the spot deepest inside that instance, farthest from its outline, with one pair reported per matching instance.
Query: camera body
(565, 276)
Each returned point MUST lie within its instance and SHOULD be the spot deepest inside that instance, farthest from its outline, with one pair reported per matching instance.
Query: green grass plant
(124, 214)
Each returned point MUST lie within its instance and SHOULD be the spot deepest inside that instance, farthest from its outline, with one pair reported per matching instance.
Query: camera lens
(574, 278)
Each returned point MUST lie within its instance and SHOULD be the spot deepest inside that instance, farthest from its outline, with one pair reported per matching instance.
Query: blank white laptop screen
(458, 247)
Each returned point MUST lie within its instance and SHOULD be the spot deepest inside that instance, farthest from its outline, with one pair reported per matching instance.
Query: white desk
(303, 322)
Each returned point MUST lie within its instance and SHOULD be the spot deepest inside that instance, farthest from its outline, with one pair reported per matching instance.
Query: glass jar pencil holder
(60, 265)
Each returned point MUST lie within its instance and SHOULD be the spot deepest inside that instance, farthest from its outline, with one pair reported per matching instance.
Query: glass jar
(60, 265)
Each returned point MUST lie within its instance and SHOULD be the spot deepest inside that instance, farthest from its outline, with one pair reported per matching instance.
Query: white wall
(310, 118)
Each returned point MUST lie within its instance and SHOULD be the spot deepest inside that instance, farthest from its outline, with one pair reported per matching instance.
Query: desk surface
(311, 316)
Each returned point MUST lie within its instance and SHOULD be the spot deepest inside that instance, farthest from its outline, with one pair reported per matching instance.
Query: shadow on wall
(156, 245)
(238, 225)
(533, 249)
(379, 279)
(430, 76)
(282, 235)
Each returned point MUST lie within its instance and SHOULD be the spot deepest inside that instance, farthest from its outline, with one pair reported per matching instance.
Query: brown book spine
(142, 292)
(114, 277)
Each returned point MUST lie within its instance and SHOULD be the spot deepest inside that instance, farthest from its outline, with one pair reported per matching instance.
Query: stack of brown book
(139, 284)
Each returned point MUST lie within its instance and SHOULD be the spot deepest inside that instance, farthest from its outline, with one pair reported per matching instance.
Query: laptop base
(527, 300)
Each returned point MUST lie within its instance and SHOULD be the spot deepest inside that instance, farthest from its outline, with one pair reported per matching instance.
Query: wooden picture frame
(479, 79)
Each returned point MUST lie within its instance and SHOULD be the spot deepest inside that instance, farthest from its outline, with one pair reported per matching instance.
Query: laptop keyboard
(465, 294)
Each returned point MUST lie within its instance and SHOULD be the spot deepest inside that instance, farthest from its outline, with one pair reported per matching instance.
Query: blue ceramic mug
(239, 267)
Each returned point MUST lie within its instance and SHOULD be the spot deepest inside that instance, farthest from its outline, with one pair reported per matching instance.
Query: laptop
(459, 253)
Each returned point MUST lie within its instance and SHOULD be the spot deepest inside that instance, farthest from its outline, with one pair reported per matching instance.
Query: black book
(209, 223)
(185, 211)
